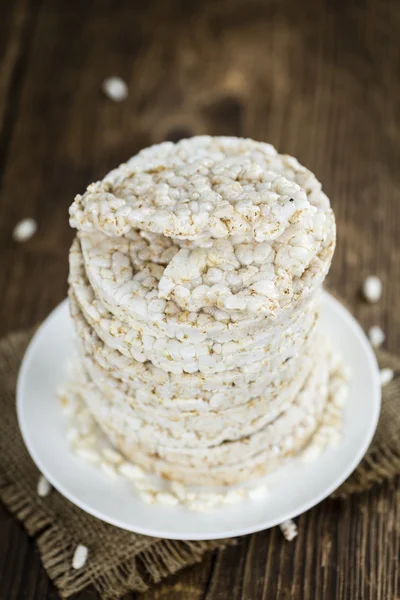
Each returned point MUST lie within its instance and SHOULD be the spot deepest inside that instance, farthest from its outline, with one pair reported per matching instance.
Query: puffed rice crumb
(233, 496)
(43, 487)
(24, 230)
(376, 336)
(312, 452)
(112, 456)
(80, 556)
(372, 289)
(87, 454)
(289, 529)
(147, 497)
(130, 471)
(115, 88)
(72, 435)
(386, 376)
(108, 468)
(179, 490)
(166, 498)
(258, 493)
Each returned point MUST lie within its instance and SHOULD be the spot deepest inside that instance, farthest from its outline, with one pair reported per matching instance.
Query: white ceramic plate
(294, 488)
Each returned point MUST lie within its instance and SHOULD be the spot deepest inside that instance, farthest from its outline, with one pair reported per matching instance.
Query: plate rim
(342, 311)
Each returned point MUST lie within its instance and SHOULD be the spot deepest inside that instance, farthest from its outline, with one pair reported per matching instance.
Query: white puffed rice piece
(147, 497)
(198, 504)
(233, 496)
(130, 471)
(386, 376)
(84, 429)
(112, 456)
(108, 469)
(275, 449)
(376, 336)
(87, 454)
(179, 490)
(115, 88)
(145, 485)
(312, 452)
(68, 409)
(85, 441)
(258, 493)
(289, 529)
(335, 437)
(80, 556)
(372, 289)
(24, 230)
(260, 197)
(167, 499)
(43, 487)
(72, 435)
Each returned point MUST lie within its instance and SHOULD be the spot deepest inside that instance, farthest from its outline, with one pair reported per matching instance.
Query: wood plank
(190, 583)
(16, 26)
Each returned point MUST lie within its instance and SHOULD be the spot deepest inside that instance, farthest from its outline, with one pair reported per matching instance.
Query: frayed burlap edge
(138, 573)
(160, 558)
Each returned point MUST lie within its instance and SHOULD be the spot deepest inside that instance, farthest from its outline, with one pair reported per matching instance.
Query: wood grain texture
(318, 79)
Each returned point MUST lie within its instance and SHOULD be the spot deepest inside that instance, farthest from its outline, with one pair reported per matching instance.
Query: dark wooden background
(320, 80)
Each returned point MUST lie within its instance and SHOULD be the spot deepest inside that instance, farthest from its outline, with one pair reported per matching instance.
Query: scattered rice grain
(87, 454)
(43, 487)
(112, 456)
(24, 230)
(386, 376)
(108, 468)
(289, 529)
(372, 289)
(376, 336)
(130, 471)
(115, 88)
(80, 557)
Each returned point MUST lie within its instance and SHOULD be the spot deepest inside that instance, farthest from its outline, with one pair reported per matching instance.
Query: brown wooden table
(320, 80)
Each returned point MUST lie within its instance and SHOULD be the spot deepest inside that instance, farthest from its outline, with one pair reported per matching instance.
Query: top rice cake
(233, 230)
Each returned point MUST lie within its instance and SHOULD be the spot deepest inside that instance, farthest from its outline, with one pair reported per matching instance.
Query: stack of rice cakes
(195, 284)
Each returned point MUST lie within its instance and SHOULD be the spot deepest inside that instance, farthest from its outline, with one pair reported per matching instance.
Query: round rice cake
(228, 279)
(232, 387)
(200, 189)
(194, 431)
(171, 356)
(169, 321)
(193, 422)
(191, 354)
(233, 461)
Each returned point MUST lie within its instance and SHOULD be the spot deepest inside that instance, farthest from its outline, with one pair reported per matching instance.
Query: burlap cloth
(120, 561)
